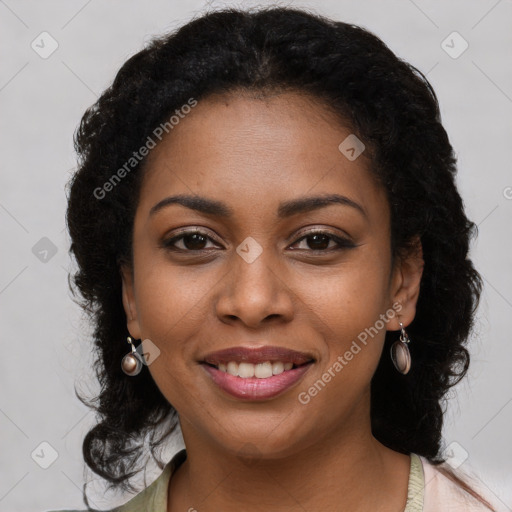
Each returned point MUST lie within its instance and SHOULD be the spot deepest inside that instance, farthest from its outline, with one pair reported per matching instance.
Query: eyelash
(343, 243)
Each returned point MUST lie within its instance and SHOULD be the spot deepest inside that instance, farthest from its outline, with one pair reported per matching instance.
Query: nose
(255, 294)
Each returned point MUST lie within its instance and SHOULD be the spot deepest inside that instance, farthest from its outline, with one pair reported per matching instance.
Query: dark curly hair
(388, 103)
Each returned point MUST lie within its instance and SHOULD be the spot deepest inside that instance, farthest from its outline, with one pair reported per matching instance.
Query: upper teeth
(260, 370)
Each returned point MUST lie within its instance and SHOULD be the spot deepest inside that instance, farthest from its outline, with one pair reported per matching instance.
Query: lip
(257, 355)
(253, 388)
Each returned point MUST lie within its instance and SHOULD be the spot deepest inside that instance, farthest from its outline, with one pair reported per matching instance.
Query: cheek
(171, 311)
(350, 308)
(171, 306)
(170, 297)
(351, 298)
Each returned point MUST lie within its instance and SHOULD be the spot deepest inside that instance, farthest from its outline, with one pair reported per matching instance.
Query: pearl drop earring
(132, 362)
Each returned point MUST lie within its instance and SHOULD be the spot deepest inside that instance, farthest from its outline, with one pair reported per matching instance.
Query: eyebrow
(286, 209)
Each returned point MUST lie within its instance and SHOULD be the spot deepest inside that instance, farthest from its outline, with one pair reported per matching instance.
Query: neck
(344, 470)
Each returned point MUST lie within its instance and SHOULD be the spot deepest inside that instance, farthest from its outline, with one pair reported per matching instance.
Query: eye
(319, 241)
(192, 240)
(315, 240)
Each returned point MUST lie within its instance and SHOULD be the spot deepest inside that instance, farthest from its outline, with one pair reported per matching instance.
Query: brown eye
(194, 242)
(190, 241)
(318, 241)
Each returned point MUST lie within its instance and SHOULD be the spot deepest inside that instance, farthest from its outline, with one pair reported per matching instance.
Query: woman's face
(258, 275)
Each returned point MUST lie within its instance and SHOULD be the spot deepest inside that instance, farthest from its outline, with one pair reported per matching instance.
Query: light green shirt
(154, 497)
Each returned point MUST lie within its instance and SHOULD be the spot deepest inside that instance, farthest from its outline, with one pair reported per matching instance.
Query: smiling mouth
(264, 370)
(256, 373)
(256, 381)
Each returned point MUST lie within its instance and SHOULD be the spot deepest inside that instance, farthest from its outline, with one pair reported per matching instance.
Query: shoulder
(441, 493)
(153, 497)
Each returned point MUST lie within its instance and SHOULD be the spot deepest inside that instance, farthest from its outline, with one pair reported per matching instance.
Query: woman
(273, 251)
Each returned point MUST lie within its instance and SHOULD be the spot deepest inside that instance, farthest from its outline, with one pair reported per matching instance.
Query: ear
(129, 304)
(405, 285)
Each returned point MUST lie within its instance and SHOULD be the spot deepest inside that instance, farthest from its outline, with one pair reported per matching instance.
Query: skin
(252, 153)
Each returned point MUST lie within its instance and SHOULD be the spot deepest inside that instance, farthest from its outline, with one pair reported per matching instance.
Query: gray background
(44, 337)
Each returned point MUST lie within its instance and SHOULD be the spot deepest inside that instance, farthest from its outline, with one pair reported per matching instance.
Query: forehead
(244, 124)
(272, 147)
